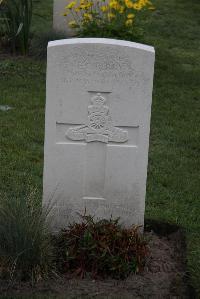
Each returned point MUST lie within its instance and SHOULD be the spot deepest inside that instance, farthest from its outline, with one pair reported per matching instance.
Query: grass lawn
(174, 160)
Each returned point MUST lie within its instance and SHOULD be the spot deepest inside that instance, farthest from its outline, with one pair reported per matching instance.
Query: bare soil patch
(164, 276)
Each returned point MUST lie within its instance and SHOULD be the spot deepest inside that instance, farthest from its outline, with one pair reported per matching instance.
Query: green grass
(173, 192)
(174, 159)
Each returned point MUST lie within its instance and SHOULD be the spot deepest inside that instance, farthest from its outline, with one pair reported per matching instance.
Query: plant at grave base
(111, 18)
(101, 248)
(15, 23)
(26, 250)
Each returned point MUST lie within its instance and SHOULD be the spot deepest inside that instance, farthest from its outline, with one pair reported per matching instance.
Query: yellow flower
(129, 22)
(137, 6)
(90, 4)
(86, 5)
(71, 5)
(130, 16)
(121, 9)
(111, 15)
(104, 8)
(113, 4)
(140, 4)
(87, 16)
(77, 9)
(73, 24)
(128, 3)
(146, 2)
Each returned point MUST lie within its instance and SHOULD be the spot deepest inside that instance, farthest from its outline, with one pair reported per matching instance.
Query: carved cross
(97, 134)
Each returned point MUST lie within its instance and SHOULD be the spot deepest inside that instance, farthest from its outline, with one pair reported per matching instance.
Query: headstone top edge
(106, 41)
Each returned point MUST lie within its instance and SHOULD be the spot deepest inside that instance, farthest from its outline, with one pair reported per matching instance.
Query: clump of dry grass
(26, 250)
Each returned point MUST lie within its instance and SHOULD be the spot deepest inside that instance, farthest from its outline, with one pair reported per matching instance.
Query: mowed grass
(173, 186)
(173, 192)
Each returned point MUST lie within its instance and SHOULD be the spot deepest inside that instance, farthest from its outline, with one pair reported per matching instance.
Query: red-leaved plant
(101, 248)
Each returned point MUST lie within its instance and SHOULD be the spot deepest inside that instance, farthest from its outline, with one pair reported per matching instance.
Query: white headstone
(61, 22)
(99, 94)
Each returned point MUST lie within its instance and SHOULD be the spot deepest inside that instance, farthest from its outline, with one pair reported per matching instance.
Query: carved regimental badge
(99, 126)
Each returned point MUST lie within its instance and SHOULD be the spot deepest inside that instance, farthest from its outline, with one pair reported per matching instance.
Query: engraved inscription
(94, 65)
(99, 126)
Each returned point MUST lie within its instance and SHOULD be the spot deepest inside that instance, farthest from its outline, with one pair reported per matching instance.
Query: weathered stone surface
(98, 109)
(60, 22)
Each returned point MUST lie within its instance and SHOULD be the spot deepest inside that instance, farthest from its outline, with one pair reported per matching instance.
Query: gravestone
(60, 22)
(98, 108)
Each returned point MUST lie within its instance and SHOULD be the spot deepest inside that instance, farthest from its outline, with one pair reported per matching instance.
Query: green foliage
(26, 250)
(15, 22)
(101, 248)
(39, 42)
(109, 31)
